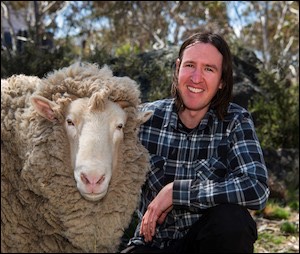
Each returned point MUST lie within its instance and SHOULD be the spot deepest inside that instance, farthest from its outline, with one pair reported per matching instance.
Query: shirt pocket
(211, 169)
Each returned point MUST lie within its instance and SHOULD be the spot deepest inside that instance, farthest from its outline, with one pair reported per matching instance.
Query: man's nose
(197, 76)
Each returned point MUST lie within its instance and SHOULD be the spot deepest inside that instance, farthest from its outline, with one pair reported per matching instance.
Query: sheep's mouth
(93, 196)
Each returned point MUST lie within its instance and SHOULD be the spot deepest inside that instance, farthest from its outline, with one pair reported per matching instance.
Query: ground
(272, 240)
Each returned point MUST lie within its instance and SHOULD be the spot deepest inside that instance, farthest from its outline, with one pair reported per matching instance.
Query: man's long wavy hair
(222, 98)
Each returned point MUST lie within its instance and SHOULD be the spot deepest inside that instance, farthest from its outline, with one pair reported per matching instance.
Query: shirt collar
(172, 117)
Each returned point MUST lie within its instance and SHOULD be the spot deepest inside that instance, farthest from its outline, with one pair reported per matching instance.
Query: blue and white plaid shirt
(217, 162)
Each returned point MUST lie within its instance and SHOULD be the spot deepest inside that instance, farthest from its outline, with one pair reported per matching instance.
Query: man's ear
(177, 64)
(221, 84)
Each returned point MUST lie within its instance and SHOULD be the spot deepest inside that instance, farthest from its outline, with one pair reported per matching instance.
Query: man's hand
(157, 211)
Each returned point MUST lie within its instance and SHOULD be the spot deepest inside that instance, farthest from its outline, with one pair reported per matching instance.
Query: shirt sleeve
(245, 182)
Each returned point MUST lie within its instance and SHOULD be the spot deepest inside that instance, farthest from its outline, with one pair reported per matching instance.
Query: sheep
(71, 162)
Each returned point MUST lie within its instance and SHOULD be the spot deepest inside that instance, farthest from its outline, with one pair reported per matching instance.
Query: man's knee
(230, 216)
(226, 228)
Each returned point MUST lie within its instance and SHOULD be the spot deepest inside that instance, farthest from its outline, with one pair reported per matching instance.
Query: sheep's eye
(69, 122)
(120, 126)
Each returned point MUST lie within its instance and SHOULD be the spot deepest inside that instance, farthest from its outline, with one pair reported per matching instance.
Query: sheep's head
(94, 128)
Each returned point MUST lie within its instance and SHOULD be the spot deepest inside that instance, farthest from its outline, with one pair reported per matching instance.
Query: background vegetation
(118, 33)
(115, 32)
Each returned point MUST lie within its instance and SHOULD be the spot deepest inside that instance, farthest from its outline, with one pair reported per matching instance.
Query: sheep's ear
(44, 107)
(144, 116)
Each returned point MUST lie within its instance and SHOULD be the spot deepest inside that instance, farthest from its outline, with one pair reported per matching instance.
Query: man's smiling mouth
(195, 90)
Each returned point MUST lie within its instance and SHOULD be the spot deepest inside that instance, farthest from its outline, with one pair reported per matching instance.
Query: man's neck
(190, 118)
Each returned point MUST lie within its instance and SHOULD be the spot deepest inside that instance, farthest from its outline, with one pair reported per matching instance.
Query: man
(207, 166)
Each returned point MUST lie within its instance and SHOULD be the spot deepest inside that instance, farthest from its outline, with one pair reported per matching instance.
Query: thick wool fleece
(41, 208)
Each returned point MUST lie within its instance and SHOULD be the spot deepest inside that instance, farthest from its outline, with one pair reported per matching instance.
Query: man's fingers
(148, 226)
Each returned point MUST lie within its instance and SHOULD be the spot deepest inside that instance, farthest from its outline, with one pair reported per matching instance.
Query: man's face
(199, 76)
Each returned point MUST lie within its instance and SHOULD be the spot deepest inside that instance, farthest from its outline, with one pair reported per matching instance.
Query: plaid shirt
(217, 162)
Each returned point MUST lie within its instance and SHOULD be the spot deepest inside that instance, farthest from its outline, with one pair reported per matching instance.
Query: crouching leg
(225, 228)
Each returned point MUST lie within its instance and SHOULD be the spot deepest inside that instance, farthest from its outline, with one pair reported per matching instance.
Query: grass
(288, 228)
(281, 231)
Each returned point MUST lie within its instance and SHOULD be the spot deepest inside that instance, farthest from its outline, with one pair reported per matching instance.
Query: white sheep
(71, 162)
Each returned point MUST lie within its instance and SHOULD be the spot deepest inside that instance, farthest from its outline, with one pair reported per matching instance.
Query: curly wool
(41, 208)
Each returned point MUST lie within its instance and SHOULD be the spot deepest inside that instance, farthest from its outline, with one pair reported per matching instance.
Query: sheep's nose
(92, 180)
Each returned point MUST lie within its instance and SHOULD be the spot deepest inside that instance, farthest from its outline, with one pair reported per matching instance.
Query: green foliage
(274, 211)
(267, 237)
(152, 24)
(159, 81)
(293, 199)
(276, 111)
(99, 56)
(294, 205)
(115, 26)
(288, 227)
(126, 50)
(153, 76)
(280, 213)
(34, 61)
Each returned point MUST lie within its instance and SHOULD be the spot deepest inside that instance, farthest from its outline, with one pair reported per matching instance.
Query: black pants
(225, 228)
